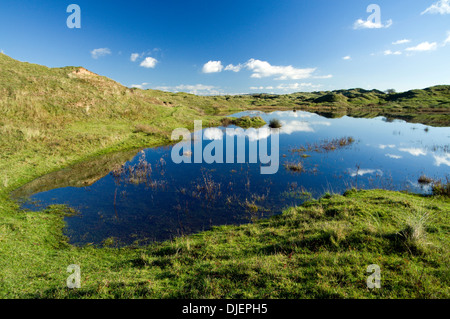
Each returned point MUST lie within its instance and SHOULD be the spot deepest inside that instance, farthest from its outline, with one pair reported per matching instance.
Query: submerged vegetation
(55, 118)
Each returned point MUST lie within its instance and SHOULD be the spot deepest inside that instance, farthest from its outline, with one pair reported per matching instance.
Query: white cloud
(262, 69)
(134, 57)
(447, 41)
(97, 53)
(296, 126)
(149, 63)
(252, 134)
(213, 133)
(347, 58)
(234, 68)
(139, 86)
(401, 42)
(297, 86)
(442, 160)
(362, 172)
(386, 146)
(261, 88)
(212, 67)
(424, 46)
(440, 7)
(198, 89)
(394, 156)
(389, 52)
(414, 151)
(329, 76)
(362, 24)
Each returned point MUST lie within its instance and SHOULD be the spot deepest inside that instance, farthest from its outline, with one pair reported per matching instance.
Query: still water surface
(151, 198)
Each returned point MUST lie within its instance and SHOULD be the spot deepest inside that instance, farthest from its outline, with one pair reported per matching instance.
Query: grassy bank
(54, 118)
(319, 250)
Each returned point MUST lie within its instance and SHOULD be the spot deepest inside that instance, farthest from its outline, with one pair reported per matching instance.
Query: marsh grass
(425, 180)
(325, 145)
(294, 167)
(441, 188)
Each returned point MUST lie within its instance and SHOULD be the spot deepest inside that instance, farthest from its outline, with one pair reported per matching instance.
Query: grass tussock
(294, 167)
(275, 123)
(425, 180)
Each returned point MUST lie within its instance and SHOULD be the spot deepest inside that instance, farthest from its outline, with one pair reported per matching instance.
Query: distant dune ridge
(75, 92)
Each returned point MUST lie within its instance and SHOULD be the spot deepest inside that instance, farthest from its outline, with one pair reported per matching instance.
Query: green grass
(244, 122)
(63, 118)
(318, 250)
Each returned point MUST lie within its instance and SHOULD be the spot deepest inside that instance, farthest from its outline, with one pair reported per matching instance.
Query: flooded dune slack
(152, 198)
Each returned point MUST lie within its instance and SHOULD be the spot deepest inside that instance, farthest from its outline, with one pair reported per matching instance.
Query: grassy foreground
(319, 250)
(53, 118)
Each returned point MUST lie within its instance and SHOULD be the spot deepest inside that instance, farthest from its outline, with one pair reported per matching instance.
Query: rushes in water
(424, 180)
(294, 167)
(441, 188)
(325, 145)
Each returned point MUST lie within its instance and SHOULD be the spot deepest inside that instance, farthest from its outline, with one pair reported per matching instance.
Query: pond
(147, 197)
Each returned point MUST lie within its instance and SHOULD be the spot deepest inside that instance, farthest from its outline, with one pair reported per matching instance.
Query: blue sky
(246, 46)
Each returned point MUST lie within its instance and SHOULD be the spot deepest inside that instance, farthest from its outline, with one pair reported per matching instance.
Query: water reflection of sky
(389, 155)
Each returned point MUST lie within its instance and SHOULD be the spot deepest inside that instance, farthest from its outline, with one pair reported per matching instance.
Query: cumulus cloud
(424, 46)
(212, 67)
(367, 24)
(140, 86)
(261, 88)
(401, 42)
(252, 133)
(440, 7)
(149, 63)
(389, 52)
(447, 41)
(382, 146)
(97, 53)
(394, 156)
(296, 126)
(297, 86)
(414, 151)
(363, 172)
(262, 69)
(347, 58)
(213, 133)
(329, 76)
(134, 57)
(198, 89)
(234, 68)
(442, 160)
